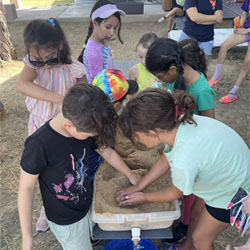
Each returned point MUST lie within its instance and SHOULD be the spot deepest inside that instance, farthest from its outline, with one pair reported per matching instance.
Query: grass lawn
(36, 3)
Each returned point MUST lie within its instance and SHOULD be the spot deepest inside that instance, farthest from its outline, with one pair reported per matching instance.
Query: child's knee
(199, 241)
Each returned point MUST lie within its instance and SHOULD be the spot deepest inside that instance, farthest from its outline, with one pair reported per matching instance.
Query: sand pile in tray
(109, 181)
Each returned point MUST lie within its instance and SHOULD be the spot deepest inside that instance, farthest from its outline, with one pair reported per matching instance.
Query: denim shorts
(73, 236)
(206, 46)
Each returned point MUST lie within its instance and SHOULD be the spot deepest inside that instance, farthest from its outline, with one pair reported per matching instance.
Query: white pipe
(136, 233)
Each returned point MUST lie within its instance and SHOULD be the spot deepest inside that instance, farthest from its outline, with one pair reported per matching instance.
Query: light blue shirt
(209, 160)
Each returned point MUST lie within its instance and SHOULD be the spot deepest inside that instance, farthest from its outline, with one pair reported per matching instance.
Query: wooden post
(18, 3)
(166, 4)
(7, 51)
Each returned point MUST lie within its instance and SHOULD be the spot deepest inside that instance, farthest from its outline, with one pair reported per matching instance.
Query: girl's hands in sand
(126, 191)
(133, 199)
(134, 178)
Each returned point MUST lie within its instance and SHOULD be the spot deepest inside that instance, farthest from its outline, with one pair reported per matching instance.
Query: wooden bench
(220, 35)
(230, 11)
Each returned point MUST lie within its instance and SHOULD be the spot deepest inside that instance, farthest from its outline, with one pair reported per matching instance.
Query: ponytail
(185, 106)
(194, 55)
(90, 31)
(180, 82)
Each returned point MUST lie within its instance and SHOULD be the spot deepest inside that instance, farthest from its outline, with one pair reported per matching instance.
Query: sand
(109, 181)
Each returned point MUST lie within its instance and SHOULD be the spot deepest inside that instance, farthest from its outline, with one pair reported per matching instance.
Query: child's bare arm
(115, 161)
(209, 113)
(133, 73)
(25, 207)
(165, 195)
(159, 168)
(26, 86)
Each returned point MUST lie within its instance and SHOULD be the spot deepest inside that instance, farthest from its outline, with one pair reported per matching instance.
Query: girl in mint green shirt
(182, 67)
(210, 163)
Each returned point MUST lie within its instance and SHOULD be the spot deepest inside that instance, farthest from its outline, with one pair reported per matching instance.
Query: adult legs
(230, 42)
(245, 68)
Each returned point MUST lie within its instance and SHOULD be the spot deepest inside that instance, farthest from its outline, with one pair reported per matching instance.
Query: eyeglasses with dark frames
(51, 62)
(160, 79)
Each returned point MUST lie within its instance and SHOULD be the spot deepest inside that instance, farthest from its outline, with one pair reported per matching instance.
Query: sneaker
(213, 82)
(179, 233)
(42, 222)
(227, 99)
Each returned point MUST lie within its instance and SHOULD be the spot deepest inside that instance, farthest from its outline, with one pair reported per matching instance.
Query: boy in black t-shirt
(56, 154)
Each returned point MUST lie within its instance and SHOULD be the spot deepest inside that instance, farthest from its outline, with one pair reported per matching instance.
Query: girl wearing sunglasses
(47, 75)
(48, 71)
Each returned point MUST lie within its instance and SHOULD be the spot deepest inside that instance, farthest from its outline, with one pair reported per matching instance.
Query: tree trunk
(7, 51)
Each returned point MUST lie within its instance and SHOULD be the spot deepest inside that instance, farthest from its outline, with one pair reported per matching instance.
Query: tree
(7, 51)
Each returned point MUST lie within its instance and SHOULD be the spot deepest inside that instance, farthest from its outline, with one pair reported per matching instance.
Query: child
(96, 54)
(48, 73)
(139, 72)
(155, 116)
(165, 59)
(120, 91)
(241, 35)
(194, 56)
(56, 156)
(177, 10)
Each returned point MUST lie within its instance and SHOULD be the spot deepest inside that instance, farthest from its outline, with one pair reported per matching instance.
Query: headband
(105, 11)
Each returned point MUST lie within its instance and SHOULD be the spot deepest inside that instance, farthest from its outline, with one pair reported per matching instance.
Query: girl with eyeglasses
(166, 60)
(48, 73)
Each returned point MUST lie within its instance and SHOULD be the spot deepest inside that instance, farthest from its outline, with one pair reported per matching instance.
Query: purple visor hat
(106, 11)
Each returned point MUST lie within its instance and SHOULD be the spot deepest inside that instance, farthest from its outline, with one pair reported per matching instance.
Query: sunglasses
(50, 62)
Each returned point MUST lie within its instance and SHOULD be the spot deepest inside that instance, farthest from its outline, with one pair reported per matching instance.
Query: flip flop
(213, 82)
(227, 99)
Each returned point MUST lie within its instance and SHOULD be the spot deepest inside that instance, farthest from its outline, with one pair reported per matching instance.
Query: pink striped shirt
(57, 79)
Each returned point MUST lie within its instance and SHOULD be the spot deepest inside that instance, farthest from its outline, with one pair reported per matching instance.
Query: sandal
(227, 99)
(213, 82)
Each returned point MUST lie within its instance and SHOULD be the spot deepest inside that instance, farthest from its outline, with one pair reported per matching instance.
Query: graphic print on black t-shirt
(73, 185)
